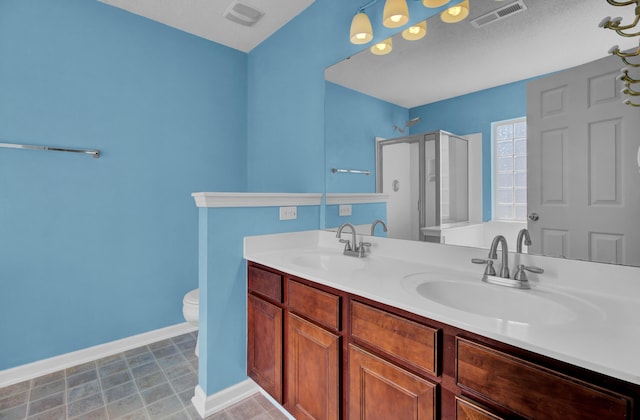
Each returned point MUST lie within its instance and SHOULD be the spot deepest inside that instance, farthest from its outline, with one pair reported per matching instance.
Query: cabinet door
(468, 410)
(313, 381)
(264, 345)
(381, 390)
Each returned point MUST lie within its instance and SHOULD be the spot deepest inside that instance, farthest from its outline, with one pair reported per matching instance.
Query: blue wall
(285, 153)
(287, 91)
(93, 250)
(474, 113)
(352, 122)
(223, 286)
(361, 214)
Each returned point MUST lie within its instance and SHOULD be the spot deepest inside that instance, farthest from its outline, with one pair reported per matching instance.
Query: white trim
(357, 198)
(54, 364)
(208, 405)
(221, 199)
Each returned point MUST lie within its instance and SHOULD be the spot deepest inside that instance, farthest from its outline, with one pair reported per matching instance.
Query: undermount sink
(502, 303)
(325, 262)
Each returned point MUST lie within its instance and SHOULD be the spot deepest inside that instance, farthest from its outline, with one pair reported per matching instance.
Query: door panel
(313, 381)
(583, 147)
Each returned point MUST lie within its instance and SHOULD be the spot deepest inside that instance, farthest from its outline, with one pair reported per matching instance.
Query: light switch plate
(344, 210)
(288, 213)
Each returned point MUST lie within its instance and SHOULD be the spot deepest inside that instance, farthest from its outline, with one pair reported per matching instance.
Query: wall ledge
(356, 198)
(235, 199)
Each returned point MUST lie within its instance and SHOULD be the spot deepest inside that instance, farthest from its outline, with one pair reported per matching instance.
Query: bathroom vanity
(333, 337)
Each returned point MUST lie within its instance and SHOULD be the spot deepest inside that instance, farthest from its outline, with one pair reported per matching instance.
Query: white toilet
(190, 310)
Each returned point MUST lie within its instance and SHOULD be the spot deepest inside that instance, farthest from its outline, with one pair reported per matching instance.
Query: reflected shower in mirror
(468, 79)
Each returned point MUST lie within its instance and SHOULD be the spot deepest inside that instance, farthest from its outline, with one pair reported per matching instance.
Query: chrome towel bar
(350, 171)
(94, 153)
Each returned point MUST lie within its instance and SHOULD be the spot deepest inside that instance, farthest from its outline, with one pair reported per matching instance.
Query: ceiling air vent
(499, 14)
(243, 14)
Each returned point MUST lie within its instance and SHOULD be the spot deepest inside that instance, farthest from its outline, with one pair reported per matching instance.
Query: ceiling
(456, 59)
(204, 18)
(452, 60)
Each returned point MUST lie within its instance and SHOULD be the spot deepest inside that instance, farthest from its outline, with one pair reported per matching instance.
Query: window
(510, 169)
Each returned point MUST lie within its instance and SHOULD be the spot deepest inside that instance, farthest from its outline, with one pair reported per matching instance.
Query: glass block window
(510, 169)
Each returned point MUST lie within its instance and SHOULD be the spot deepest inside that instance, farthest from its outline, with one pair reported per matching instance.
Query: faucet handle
(361, 249)
(347, 244)
(522, 275)
(489, 271)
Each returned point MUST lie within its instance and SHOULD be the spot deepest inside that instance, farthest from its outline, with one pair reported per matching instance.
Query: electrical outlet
(288, 213)
(345, 210)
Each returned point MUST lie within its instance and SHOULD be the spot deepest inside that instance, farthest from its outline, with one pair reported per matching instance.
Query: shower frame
(421, 139)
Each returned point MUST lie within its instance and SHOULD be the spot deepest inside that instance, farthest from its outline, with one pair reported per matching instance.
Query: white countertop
(605, 339)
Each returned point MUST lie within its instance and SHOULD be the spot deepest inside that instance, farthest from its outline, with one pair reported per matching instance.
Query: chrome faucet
(493, 254)
(519, 280)
(352, 248)
(523, 235)
(373, 226)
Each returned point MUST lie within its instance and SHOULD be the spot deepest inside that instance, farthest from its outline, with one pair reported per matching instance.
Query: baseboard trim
(56, 363)
(207, 405)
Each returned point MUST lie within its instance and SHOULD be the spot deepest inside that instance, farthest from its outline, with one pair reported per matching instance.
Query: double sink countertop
(583, 313)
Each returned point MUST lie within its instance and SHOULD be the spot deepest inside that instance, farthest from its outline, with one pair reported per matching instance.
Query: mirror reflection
(469, 80)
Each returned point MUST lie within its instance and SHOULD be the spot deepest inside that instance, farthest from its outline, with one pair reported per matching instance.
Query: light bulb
(382, 48)
(455, 11)
(415, 32)
(395, 13)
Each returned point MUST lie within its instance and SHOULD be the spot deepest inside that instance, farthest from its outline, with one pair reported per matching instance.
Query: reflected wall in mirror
(466, 80)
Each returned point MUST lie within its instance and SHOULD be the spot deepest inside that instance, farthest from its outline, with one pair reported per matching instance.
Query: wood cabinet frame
(452, 397)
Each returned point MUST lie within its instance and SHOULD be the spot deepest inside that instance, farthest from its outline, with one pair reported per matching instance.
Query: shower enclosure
(427, 179)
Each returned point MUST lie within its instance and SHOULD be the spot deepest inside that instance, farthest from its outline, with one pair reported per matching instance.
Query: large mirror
(469, 80)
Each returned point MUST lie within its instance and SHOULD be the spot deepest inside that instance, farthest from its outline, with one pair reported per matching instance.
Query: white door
(583, 179)
(400, 183)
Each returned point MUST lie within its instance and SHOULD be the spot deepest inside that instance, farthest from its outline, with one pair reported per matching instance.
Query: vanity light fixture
(382, 48)
(415, 32)
(395, 14)
(361, 31)
(432, 4)
(630, 59)
(456, 13)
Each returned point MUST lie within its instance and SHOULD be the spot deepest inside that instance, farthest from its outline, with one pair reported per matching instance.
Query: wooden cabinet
(384, 389)
(312, 353)
(265, 316)
(326, 354)
(531, 390)
(469, 410)
(264, 345)
(313, 377)
(381, 390)
(411, 343)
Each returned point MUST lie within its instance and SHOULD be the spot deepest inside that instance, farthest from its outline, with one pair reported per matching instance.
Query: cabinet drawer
(414, 344)
(319, 306)
(531, 390)
(265, 283)
(467, 410)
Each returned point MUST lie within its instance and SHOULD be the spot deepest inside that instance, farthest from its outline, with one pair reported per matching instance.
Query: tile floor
(149, 382)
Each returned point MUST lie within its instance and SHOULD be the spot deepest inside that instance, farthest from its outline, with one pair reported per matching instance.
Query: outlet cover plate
(344, 210)
(288, 213)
